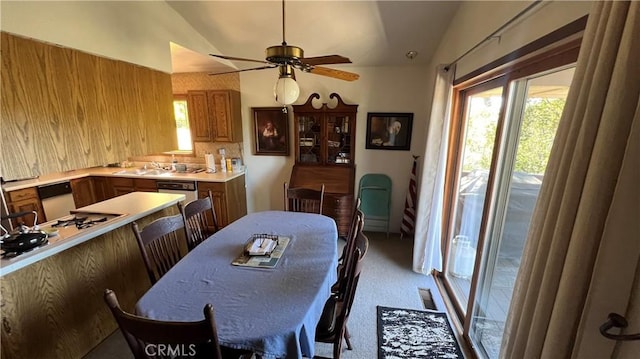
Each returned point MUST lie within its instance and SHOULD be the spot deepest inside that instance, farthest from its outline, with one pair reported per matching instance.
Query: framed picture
(271, 127)
(389, 131)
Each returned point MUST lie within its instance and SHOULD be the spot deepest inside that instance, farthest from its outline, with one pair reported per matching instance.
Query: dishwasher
(57, 200)
(187, 188)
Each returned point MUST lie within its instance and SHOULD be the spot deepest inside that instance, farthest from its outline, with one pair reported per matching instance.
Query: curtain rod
(493, 34)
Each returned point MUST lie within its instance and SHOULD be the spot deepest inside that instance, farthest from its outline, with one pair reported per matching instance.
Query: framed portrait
(271, 128)
(389, 131)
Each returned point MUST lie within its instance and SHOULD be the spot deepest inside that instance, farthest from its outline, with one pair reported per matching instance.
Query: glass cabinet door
(309, 135)
(338, 139)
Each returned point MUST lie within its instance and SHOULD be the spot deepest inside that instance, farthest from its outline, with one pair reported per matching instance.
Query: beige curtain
(583, 249)
(427, 249)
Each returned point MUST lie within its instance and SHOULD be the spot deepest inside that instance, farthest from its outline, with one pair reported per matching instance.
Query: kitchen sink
(156, 173)
(143, 172)
(136, 171)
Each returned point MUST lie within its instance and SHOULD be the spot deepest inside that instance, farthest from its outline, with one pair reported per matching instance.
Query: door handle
(617, 321)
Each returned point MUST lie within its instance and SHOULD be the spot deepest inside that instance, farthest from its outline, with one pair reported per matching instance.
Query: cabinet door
(219, 199)
(338, 139)
(199, 120)
(101, 189)
(145, 185)
(219, 105)
(25, 200)
(121, 186)
(83, 193)
(309, 139)
(27, 205)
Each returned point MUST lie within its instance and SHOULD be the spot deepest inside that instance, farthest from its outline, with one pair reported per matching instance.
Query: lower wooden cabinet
(229, 198)
(101, 189)
(25, 200)
(83, 192)
(124, 185)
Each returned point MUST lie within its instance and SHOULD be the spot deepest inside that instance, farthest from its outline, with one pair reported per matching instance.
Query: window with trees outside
(181, 115)
(503, 129)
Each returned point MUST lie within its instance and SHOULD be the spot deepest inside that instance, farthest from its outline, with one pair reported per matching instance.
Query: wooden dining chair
(200, 220)
(148, 337)
(162, 244)
(332, 326)
(355, 228)
(303, 199)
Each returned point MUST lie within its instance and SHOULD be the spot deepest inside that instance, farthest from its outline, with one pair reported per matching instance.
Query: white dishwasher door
(57, 200)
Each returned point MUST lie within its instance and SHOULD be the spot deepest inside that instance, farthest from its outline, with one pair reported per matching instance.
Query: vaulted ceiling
(370, 33)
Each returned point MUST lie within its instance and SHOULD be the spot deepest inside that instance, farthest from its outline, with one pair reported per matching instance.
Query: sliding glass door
(481, 112)
(500, 144)
(532, 123)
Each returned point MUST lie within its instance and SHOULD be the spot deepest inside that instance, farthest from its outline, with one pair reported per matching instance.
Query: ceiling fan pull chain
(284, 42)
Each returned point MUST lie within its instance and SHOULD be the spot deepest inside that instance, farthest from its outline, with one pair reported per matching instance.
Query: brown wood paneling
(54, 308)
(63, 109)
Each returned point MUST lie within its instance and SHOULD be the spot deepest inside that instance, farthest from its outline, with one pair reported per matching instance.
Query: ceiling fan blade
(338, 74)
(231, 58)
(325, 60)
(251, 69)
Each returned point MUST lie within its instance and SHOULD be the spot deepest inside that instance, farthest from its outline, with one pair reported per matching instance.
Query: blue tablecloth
(272, 312)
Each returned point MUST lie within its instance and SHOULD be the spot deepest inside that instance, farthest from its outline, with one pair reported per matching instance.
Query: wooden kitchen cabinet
(124, 185)
(83, 191)
(199, 123)
(229, 199)
(25, 200)
(215, 115)
(144, 185)
(325, 154)
(101, 189)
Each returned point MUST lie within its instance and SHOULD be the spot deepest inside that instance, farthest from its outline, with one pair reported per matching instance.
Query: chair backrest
(162, 244)
(344, 303)
(375, 193)
(150, 338)
(348, 251)
(200, 220)
(303, 199)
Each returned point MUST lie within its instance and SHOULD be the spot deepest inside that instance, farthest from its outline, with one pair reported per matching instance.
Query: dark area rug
(415, 334)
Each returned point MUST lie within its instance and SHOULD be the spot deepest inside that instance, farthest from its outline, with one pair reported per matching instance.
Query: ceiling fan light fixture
(286, 89)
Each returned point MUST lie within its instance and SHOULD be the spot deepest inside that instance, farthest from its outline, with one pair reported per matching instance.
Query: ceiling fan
(287, 58)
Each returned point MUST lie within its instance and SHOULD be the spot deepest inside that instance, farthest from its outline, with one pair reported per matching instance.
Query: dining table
(272, 312)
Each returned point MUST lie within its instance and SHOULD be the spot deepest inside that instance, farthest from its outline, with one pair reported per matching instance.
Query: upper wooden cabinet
(63, 109)
(215, 116)
(325, 136)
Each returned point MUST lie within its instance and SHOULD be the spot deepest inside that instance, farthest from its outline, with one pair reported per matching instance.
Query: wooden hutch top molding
(340, 106)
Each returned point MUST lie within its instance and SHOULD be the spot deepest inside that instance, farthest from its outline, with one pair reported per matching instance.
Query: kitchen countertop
(128, 207)
(113, 172)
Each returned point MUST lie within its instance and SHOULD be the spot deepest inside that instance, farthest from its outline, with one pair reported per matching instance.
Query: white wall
(138, 32)
(381, 89)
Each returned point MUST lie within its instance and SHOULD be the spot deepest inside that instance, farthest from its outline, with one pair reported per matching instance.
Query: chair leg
(347, 338)
(337, 348)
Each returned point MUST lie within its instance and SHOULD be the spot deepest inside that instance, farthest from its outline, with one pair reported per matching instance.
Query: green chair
(375, 197)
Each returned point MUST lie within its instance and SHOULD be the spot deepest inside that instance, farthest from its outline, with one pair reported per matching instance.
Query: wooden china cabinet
(325, 154)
